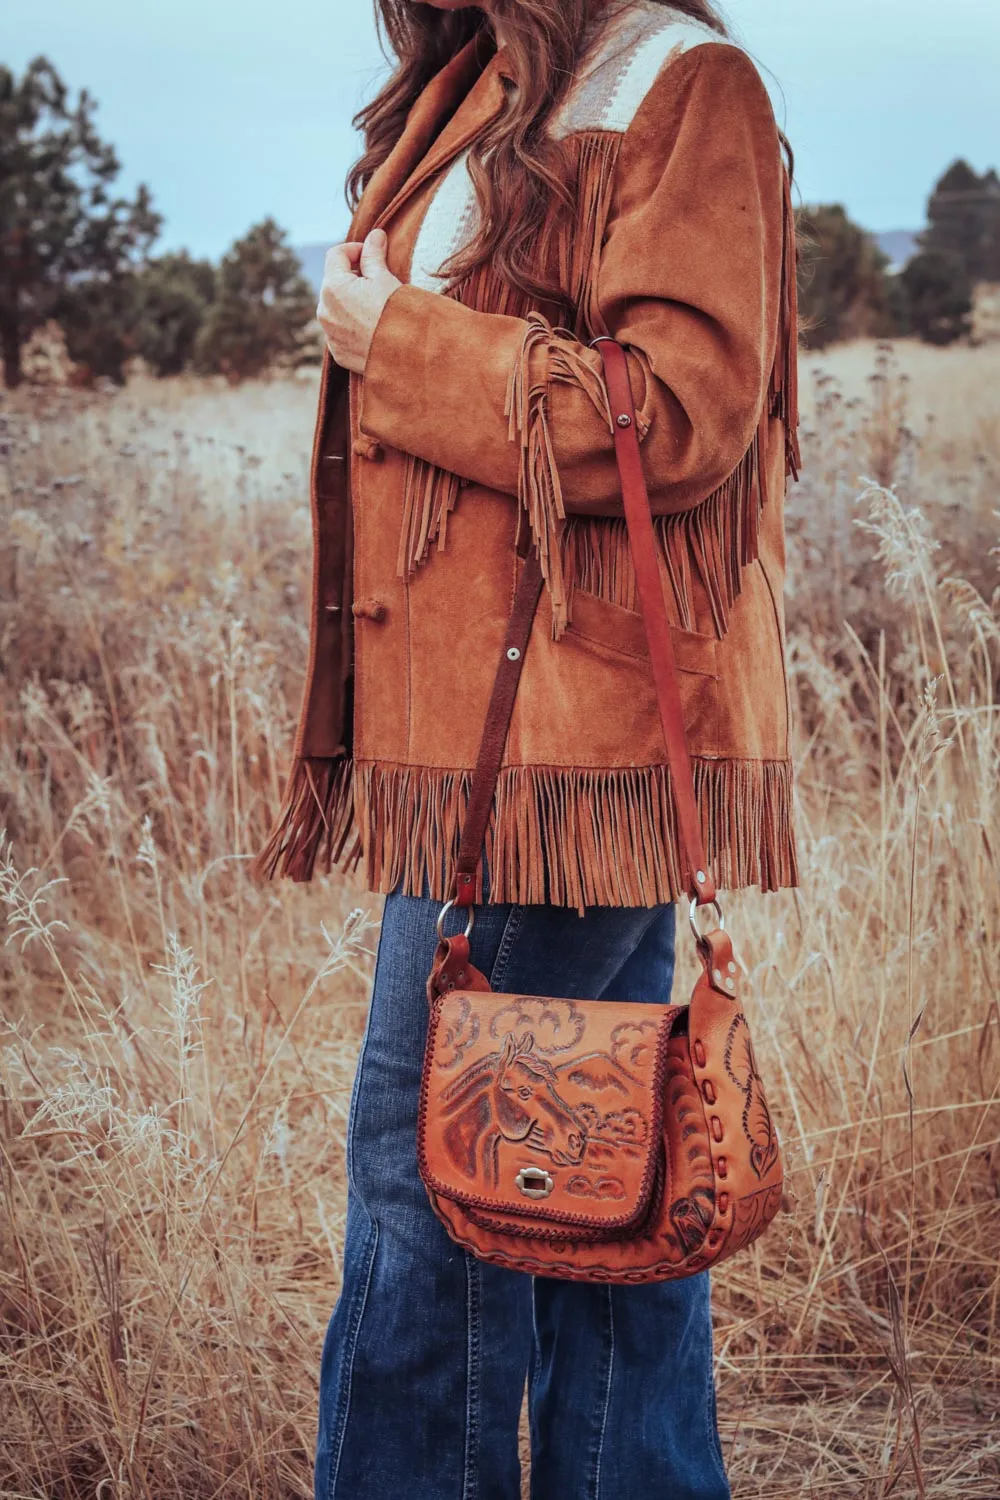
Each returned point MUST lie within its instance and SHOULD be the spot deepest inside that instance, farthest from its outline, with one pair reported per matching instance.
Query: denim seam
(358, 1312)
(351, 1113)
(711, 1417)
(596, 1487)
(351, 1345)
(512, 927)
(356, 1090)
(535, 1357)
(470, 1482)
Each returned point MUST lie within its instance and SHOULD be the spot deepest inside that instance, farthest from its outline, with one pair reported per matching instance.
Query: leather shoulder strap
(498, 714)
(649, 584)
(642, 544)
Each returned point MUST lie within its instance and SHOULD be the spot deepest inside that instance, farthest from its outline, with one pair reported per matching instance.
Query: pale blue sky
(233, 109)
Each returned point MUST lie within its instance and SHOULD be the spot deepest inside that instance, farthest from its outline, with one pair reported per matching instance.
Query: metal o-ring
(446, 908)
(694, 926)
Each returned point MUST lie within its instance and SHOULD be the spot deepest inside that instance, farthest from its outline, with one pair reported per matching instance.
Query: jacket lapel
(424, 146)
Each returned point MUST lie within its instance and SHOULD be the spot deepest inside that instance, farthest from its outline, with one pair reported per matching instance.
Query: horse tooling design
(576, 1113)
(741, 1065)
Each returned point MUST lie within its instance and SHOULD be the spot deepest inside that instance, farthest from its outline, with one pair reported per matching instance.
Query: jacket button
(369, 609)
(367, 447)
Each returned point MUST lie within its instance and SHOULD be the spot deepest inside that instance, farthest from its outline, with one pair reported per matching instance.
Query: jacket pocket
(614, 628)
(588, 699)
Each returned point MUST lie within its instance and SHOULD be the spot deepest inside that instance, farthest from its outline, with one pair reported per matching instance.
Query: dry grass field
(177, 1043)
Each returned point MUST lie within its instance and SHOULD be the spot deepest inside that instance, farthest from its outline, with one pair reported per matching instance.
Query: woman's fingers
(356, 285)
(339, 266)
(342, 259)
(371, 261)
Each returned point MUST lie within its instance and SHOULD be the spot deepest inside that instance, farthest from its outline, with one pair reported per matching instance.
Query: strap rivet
(730, 984)
(513, 654)
(700, 877)
(624, 420)
(732, 967)
(717, 975)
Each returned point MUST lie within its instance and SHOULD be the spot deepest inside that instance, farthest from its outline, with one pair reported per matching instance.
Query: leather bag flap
(546, 1110)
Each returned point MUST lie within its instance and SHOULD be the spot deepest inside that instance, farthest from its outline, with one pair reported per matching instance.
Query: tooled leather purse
(595, 1140)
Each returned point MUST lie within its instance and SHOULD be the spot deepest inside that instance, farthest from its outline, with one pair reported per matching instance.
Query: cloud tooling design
(604, 1187)
(631, 1043)
(557, 1024)
(462, 1033)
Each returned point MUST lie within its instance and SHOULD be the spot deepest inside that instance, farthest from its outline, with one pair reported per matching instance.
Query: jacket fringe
(430, 493)
(314, 823)
(706, 547)
(577, 838)
(784, 391)
(710, 544)
(578, 252)
(547, 353)
(580, 242)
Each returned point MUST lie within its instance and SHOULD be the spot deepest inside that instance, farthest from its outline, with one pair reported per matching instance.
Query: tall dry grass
(178, 1044)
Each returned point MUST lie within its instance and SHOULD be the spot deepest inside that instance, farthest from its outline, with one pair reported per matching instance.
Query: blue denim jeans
(428, 1349)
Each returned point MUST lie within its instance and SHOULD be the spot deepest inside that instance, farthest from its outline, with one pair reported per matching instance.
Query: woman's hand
(357, 284)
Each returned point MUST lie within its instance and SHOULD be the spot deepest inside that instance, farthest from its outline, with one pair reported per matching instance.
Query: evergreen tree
(173, 295)
(938, 292)
(60, 226)
(262, 310)
(98, 317)
(844, 291)
(963, 218)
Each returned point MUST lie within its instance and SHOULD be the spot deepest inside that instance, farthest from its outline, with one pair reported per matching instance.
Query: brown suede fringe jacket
(480, 414)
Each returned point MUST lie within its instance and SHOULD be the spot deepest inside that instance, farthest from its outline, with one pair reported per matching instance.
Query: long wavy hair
(515, 169)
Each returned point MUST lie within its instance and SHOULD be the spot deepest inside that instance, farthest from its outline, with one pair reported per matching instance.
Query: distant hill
(900, 245)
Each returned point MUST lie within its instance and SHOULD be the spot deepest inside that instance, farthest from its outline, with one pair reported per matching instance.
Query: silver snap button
(513, 654)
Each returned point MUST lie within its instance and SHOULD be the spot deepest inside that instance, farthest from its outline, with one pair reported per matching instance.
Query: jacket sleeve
(689, 279)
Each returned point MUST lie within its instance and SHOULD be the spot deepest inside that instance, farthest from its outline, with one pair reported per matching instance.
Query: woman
(538, 172)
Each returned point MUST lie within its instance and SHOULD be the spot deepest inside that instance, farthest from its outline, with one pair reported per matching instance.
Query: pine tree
(963, 218)
(938, 293)
(262, 311)
(61, 230)
(173, 296)
(844, 291)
